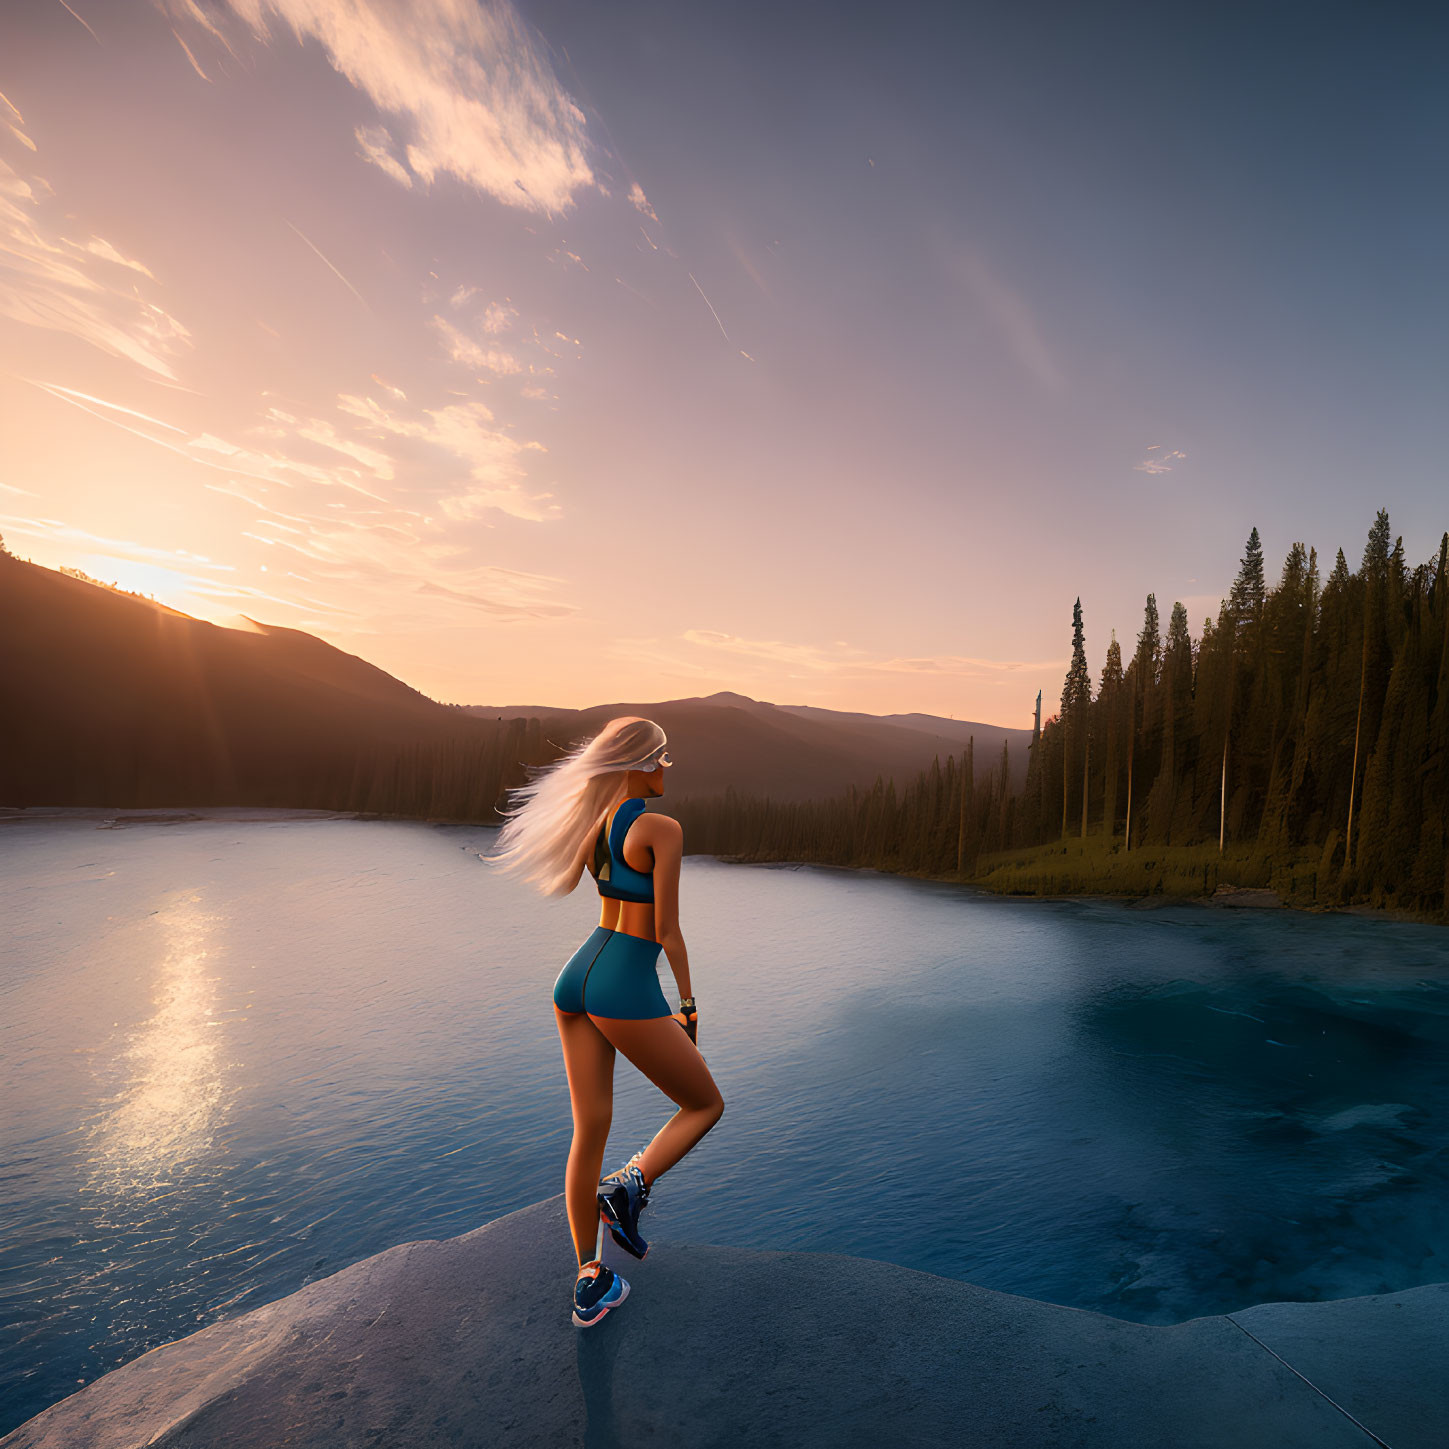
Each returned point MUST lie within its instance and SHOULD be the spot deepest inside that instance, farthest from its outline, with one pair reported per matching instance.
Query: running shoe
(598, 1290)
(623, 1195)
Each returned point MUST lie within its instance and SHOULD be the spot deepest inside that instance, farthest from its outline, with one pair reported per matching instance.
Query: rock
(469, 1342)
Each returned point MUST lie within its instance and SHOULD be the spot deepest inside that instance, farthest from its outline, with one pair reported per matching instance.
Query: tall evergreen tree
(1109, 702)
(1374, 659)
(1141, 684)
(1176, 703)
(1245, 599)
(1076, 696)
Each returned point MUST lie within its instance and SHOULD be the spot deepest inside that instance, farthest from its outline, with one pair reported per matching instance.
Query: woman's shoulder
(662, 826)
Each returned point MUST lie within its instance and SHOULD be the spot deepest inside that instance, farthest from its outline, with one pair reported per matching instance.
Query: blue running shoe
(623, 1195)
(598, 1290)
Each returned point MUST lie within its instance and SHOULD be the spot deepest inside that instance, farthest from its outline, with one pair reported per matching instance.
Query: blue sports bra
(616, 878)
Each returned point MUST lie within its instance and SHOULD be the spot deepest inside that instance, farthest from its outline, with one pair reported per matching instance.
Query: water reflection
(1156, 1115)
(164, 1119)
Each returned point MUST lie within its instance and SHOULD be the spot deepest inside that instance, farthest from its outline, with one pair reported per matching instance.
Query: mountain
(110, 699)
(107, 698)
(788, 752)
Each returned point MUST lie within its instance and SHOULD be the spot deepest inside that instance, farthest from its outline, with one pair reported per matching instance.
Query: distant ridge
(110, 699)
(788, 752)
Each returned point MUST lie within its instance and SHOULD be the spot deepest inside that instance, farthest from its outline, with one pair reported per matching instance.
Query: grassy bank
(1096, 866)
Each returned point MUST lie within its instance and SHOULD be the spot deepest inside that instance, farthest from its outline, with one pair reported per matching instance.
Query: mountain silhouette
(110, 699)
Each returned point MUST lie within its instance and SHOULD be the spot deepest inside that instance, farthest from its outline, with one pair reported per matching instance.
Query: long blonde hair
(564, 802)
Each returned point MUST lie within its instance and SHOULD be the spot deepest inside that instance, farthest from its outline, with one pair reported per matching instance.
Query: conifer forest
(1300, 743)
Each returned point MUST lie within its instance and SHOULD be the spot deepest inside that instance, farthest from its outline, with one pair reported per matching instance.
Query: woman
(588, 809)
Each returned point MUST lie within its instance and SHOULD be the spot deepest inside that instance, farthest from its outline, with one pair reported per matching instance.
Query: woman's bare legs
(589, 1061)
(662, 1050)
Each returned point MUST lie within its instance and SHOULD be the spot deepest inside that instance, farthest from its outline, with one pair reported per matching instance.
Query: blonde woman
(587, 809)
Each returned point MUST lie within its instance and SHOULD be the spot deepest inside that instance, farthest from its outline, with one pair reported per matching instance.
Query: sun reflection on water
(163, 1120)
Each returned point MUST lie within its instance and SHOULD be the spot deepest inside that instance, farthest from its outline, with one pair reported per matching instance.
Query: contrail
(54, 390)
(334, 270)
(189, 55)
(708, 304)
(53, 387)
(94, 36)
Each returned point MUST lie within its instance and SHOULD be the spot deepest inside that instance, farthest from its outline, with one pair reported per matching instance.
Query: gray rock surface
(469, 1342)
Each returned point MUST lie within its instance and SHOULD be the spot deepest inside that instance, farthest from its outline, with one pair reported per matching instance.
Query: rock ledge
(468, 1342)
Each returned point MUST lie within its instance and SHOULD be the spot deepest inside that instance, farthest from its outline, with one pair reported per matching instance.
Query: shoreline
(1221, 899)
(1224, 897)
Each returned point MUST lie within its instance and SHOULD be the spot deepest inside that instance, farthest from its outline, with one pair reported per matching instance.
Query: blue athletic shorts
(612, 974)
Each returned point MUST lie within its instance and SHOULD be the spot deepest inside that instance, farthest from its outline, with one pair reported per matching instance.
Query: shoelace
(633, 1165)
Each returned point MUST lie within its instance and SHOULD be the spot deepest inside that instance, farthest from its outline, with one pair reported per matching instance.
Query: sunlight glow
(164, 1118)
(165, 585)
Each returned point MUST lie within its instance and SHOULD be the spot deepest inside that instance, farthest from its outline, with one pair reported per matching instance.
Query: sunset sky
(565, 353)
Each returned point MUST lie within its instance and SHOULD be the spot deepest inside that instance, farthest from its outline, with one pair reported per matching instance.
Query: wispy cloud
(462, 349)
(84, 286)
(507, 601)
(467, 89)
(374, 144)
(498, 318)
(493, 462)
(54, 528)
(789, 660)
(640, 202)
(1157, 461)
(195, 64)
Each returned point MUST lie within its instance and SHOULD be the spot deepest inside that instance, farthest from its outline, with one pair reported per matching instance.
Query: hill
(787, 752)
(109, 699)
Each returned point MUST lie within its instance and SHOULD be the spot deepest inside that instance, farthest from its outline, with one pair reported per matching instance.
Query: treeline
(1310, 714)
(1310, 722)
(465, 779)
(938, 824)
(1303, 740)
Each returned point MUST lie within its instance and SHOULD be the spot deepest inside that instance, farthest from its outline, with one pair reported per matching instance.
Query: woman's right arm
(667, 842)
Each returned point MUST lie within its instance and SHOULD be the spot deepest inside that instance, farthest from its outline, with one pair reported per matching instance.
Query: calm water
(238, 1056)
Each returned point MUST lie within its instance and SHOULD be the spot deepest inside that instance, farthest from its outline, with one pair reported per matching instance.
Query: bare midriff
(629, 918)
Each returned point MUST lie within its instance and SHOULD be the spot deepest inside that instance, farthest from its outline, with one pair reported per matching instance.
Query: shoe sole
(603, 1313)
(606, 1212)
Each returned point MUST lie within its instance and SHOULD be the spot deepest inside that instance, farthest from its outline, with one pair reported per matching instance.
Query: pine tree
(1076, 697)
(1374, 576)
(1141, 691)
(1109, 700)
(1245, 599)
(1176, 701)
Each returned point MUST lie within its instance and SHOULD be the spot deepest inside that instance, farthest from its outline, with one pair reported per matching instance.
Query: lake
(238, 1054)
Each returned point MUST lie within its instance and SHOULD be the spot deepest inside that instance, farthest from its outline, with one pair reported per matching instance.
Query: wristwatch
(687, 1004)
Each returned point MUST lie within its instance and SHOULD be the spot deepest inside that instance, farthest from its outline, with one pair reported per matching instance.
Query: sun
(166, 586)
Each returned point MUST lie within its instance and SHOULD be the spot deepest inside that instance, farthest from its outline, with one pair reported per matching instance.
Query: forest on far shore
(1300, 743)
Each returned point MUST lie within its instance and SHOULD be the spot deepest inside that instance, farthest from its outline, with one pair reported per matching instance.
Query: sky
(561, 353)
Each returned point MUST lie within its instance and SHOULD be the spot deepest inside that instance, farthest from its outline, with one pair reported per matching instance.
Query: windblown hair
(565, 802)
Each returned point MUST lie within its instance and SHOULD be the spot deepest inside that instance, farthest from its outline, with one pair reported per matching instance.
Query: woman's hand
(688, 1017)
